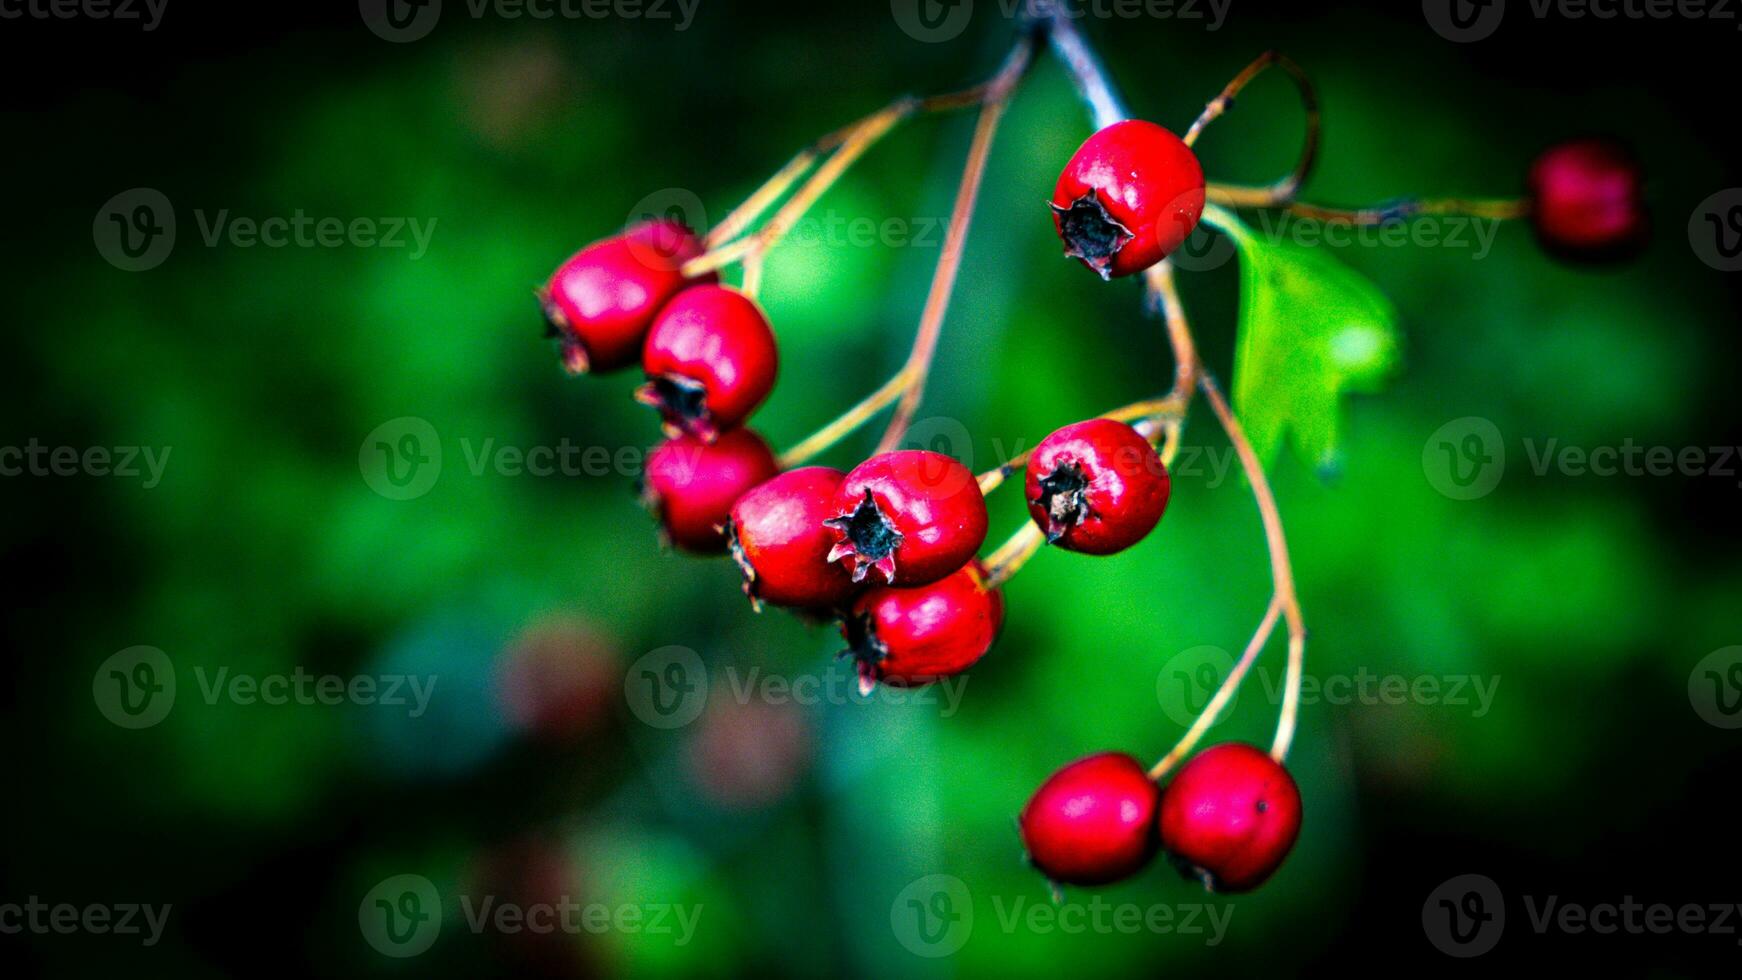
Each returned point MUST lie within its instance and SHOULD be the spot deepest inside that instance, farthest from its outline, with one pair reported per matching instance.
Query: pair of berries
(1133, 192)
(710, 359)
(1228, 818)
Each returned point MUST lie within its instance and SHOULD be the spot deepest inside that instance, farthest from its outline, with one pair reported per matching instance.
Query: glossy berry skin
(908, 518)
(1587, 201)
(779, 541)
(600, 303)
(1096, 487)
(1229, 817)
(1092, 822)
(911, 637)
(691, 485)
(710, 360)
(1130, 196)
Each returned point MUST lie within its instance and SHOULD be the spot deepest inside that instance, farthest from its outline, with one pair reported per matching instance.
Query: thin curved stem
(1281, 571)
(1223, 695)
(943, 284)
(1504, 209)
(1285, 189)
(1014, 553)
(849, 422)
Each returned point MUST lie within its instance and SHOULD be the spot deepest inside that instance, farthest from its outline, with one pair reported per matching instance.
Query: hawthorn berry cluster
(890, 549)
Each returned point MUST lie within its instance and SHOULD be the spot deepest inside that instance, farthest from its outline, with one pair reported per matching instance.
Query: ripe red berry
(778, 538)
(1229, 817)
(1587, 201)
(710, 360)
(691, 485)
(911, 637)
(601, 302)
(1092, 822)
(1130, 195)
(1096, 487)
(913, 515)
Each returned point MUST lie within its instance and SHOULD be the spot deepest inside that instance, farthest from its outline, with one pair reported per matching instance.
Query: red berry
(1092, 822)
(1229, 817)
(600, 303)
(911, 637)
(691, 485)
(1587, 201)
(559, 679)
(1130, 196)
(710, 361)
(1096, 487)
(778, 538)
(913, 515)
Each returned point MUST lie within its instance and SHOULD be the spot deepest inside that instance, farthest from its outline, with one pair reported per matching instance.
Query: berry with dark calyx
(912, 516)
(1587, 201)
(912, 637)
(1097, 487)
(601, 302)
(1229, 817)
(1131, 194)
(710, 360)
(778, 539)
(691, 485)
(1092, 822)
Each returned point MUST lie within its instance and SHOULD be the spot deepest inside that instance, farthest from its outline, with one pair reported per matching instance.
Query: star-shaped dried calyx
(870, 538)
(1064, 498)
(1091, 233)
(867, 651)
(682, 404)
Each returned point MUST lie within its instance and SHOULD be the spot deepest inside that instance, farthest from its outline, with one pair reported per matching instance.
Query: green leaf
(1311, 331)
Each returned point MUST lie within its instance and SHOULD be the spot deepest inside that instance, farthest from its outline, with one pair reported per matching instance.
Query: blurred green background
(794, 824)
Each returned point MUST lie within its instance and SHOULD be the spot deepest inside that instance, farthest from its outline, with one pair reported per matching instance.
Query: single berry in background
(559, 679)
(1097, 487)
(710, 360)
(1229, 817)
(1128, 198)
(600, 303)
(914, 636)
(911, 517)
(748, 753)
(691, 485)
(1587, 201)
(779, 541)
(1092, 822)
